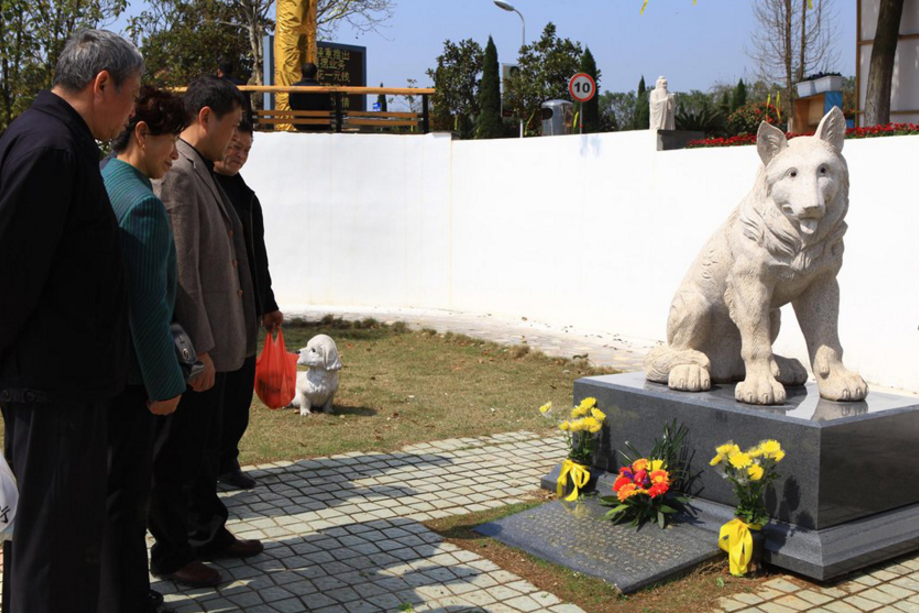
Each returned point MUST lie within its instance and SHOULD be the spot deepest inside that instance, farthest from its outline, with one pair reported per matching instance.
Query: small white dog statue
(317, 386)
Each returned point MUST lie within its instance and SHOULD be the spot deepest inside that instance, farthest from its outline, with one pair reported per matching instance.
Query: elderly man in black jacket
(240, 383)
(62, 294)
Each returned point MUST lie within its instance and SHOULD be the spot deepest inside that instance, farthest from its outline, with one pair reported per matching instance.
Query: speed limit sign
(582, 87)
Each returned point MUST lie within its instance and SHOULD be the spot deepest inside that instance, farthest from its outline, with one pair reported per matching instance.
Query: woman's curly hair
(162, 111)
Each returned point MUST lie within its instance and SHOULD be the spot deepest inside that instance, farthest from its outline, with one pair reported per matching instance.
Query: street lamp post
(508, 7)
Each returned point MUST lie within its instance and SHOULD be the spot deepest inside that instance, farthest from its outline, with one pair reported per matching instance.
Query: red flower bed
(890, 129)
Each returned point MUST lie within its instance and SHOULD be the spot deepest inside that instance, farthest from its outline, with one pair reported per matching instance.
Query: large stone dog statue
(782, 244)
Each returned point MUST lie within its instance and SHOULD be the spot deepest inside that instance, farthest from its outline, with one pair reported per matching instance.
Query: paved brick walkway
(343, 534)
(894, 587)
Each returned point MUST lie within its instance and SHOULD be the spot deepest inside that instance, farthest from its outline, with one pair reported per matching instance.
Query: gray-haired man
(62, 285)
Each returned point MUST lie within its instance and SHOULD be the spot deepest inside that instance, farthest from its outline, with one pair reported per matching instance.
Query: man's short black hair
(309, 70)
(220, 95)
(226, 66)
(244, 127)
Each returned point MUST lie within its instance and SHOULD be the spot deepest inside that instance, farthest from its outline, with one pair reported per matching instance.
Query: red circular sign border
(592, 89)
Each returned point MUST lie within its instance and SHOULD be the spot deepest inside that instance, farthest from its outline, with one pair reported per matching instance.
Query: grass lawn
(400, 387)
(697, 591)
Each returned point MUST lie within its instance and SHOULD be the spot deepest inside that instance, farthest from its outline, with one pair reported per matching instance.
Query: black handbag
(186, 354)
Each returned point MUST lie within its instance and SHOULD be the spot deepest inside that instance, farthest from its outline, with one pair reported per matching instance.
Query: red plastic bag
(276, 373)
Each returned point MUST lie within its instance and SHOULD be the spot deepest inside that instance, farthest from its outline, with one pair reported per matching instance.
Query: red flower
(620, 482)
(658, 489)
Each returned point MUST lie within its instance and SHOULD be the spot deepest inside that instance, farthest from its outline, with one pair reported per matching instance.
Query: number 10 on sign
(582, 88)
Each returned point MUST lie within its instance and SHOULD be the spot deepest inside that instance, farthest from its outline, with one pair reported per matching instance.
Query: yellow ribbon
(736, 540)
(579, 477)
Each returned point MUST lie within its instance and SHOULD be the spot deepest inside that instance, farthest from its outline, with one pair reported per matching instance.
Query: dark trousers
(125, 582)
(238, 399)
(57, 452)
(187, 518)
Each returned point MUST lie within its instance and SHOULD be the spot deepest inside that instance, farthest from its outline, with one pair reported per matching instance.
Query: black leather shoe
(154, 603)
(239, 548)
(237, 479)
(156, 599)
(194, 574)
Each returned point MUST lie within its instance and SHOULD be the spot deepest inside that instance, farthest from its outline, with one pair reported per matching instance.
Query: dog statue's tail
(661, 360)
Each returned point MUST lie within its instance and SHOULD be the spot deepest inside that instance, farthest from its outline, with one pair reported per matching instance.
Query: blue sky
(693, 46)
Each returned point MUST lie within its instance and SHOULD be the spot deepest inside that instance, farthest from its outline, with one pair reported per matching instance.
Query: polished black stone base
(848, 495)
(819, 554)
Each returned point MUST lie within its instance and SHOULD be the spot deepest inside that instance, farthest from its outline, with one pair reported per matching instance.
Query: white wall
(594, 231)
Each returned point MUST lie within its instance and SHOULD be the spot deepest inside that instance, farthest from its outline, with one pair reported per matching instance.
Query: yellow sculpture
(295, 19)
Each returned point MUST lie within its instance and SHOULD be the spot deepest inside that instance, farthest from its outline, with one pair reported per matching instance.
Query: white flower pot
(805, 89)
(827, 84)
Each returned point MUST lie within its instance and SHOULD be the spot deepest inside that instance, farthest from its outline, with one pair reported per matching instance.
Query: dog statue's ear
(770, 141)
(331, 358)
(832, 128)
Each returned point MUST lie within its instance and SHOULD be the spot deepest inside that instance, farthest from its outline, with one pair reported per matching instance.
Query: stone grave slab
(577, 536)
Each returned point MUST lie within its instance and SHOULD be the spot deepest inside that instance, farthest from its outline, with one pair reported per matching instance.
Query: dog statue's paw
(789, 371)
(689, 378)
(842, 384)
(760, 389)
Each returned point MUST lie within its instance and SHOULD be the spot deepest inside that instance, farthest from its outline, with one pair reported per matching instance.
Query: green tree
(32, 36)
(642, 117)
(182, 39)
(489, 123)
(456, 79)
(739, 96)
(617, 110)
(545, 68)
(724, 106)
(591, 110)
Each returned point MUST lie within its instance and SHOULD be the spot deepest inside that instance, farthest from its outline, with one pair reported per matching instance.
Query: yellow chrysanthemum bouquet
(751, 472)
(582, 428)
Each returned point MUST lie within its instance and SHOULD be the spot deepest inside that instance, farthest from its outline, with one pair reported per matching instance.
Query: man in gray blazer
(216, 306)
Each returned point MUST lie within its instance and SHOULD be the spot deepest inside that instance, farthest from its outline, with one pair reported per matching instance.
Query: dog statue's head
(805, 176)
(320, 352)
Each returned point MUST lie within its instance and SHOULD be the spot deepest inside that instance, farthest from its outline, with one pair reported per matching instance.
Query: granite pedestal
(848, 495)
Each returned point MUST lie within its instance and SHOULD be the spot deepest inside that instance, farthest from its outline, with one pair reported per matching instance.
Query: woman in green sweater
(144, 151)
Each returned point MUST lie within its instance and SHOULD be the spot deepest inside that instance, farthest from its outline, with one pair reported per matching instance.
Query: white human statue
(663, 107)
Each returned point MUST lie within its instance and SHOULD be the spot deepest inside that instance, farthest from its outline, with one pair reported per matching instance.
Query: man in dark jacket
(216, 306)
(62, 285)
(240, 383)
(310, 102)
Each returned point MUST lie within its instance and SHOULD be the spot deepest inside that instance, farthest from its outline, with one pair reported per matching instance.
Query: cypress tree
(590, 111)
(739, 98)
(725, 105)
(382, 100)
(489, 123)
(642, 110)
